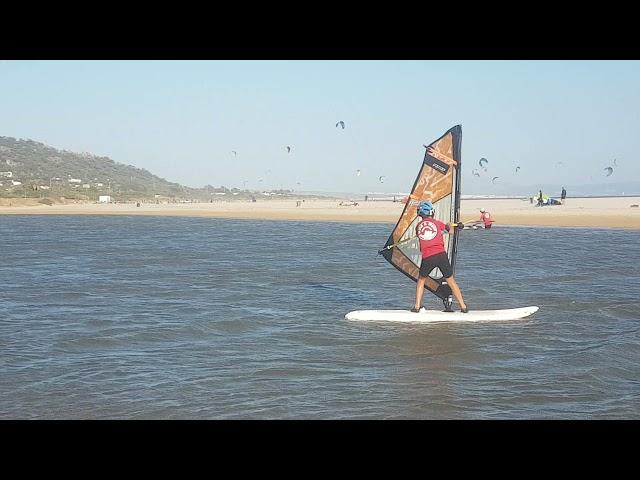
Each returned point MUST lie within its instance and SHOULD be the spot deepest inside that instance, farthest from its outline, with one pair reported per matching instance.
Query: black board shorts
(439, 260)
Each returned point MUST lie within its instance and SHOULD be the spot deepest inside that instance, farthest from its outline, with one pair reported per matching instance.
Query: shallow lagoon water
(204, 318)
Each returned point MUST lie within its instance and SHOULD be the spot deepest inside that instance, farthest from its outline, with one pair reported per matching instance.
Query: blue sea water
(203, 318)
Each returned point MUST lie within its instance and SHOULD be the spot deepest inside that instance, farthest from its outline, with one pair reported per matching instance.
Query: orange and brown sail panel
(438, 182)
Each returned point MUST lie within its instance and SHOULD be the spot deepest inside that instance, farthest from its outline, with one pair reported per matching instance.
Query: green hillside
(32, 169)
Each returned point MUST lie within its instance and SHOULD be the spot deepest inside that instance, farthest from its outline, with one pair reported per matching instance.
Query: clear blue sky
(182, 119)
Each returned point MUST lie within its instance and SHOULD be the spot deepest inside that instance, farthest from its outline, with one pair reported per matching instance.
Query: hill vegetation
(33, 169)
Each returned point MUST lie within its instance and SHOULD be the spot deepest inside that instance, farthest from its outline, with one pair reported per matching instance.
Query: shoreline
(577, 213)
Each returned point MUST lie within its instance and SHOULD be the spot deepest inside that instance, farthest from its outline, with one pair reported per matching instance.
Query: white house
(104, 199)
(75, 180)
(6, 174)
(86, 185)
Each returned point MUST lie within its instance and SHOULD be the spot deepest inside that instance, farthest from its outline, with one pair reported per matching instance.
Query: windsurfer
(486, 218)
(430, 234)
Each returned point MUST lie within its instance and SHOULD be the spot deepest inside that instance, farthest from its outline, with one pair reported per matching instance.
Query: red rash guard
(486, 218)
(429, 231)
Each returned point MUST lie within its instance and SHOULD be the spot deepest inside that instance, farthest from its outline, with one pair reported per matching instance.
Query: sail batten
(438, 182)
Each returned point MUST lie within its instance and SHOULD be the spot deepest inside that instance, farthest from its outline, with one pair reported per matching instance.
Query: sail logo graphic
(436, 164)
(440, 168)
(427, 230)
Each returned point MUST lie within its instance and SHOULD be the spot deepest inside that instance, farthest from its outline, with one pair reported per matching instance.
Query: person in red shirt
(430, 234)
(486, 218)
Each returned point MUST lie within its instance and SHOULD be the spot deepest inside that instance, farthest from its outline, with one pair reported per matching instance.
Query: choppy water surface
(143, 317)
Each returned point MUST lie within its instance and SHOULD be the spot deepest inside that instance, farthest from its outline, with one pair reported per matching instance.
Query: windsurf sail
(438, 182)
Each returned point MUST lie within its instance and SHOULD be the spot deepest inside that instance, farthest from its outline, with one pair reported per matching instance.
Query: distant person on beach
(563, 195)
(430, 234)
(540, 202)
(486, 218)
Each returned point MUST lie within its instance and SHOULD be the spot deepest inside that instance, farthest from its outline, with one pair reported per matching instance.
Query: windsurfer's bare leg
(456, 291)
(419, 291)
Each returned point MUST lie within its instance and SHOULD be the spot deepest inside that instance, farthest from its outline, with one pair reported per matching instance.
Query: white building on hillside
(104, 199)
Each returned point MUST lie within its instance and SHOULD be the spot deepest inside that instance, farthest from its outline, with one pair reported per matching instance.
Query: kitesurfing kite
(475, 172)
(517, 168)
(288, 149)
(341, 123)
(381, 178)
(609, 171)
(483, 165)
(234, 153)
(493, 180)
(615, 163)
(358, 173)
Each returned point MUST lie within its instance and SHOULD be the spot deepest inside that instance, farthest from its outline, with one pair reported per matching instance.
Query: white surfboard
(430, 316)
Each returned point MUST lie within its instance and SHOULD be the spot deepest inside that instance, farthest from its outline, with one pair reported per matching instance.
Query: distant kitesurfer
(486, 218)
(563, 195)
(540, 201)
(430, 234)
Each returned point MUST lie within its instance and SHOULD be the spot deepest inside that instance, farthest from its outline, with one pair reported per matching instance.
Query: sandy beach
(579, 212)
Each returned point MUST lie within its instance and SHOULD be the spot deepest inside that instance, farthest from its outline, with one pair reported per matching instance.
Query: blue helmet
(425, 209)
